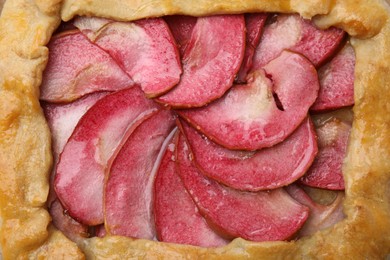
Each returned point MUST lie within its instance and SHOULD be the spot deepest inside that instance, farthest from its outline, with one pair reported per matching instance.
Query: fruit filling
(198, 130)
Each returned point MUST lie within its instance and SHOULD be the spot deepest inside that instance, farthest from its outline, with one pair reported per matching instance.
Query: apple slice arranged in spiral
(80, 170)
(268, 168)
(336, 81)
(77, 67)
(256, 216)
(292, 32)
(248, 117)
(321, 216)
(145, 49)
(254, 27)
(128, 192)
(211, 60)
(177, 218)
(181, 27)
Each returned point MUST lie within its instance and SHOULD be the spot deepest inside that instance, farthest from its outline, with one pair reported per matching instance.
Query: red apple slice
(321, 216)
(268, 168)
(67, 225)
(294, 33)
(177, 219)
(145, 49)
(257, 216)
(181, 27)
(254, 28)
(248, 117)
(129, 187)
(211, 60)
(77, 67)
(336, 81)
(80, 170)
(326, 171)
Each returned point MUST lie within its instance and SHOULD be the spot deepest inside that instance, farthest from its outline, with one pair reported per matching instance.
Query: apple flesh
(268, 168)
(212, 58)
(145, 49)
(248, 117)
(256, 216)
(77, 67)
(128, 191)
(81, 167)
(177, 219)
(292, 32)
(337, 81)
(181, 27)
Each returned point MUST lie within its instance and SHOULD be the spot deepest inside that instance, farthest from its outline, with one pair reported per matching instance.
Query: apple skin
(264, 169)
(80, 172)
(181, 27)
(248, 117)
(77, 67)
(256, 216)
(177, 218)
(212, 58)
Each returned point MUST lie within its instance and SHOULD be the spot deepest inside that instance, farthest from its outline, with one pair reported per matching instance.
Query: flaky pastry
(25, 150)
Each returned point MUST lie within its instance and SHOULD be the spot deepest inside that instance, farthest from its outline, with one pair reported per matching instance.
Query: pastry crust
(25, 156)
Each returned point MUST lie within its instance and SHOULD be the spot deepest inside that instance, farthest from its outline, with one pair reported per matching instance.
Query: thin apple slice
(145, 49)
(128, 189)
(80, 170)
(254, 27)
(181, 27)
(248, 117)
(269, 168)
(294, 33)
(77, 67)
(337, 81)
(321, 216)
(326, 171)
(211, 60)
(257, 216)
(177, 219)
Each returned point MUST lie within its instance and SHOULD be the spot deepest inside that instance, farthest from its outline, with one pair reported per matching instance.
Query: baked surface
(25, 153)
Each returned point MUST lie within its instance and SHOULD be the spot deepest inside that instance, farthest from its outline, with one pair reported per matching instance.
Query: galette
(194, 130)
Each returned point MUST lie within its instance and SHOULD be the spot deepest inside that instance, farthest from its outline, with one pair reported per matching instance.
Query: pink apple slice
(254, 28)
(80, 170)
(326, 171)
(77, 67)
(145, 49)
(337, 81)
(269, 168)
(181, 27)
(211, 60)
(129, 186)
(294, 33)
(248, 117)
(257, 216)
(321, 216)
(177, 219)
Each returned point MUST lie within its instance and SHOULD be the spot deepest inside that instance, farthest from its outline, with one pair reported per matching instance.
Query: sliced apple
(145, 49)
(337, 81)
(257, 216)
(128, 193)
(77, 67)
(248, 117)
(294, 33)
(321, 216)
(177, 218)
(181, 27)
(269, 168)
(211, 60)
(80, 170)
(326, 171)
(254, 27)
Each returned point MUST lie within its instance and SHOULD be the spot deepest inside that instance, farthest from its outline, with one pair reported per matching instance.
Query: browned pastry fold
(25, 156)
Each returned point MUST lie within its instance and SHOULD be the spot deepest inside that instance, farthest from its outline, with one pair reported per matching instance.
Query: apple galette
(227, 129)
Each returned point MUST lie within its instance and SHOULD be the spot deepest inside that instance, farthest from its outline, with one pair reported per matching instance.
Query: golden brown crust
(25, 159)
